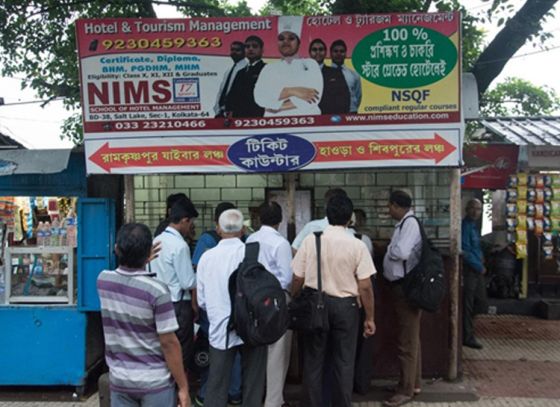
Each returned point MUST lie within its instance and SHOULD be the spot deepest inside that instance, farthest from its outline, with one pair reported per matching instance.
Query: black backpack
(424, 286)
(259, 312)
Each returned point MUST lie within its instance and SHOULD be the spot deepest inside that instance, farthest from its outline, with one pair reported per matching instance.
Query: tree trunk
(509, 40)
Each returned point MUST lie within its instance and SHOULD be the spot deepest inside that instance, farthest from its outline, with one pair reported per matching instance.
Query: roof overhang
(13, 162)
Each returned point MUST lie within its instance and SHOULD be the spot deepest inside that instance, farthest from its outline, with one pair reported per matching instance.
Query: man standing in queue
(346, 270)
(174, 268)
(403, 254)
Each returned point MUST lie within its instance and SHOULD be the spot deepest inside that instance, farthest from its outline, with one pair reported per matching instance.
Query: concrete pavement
(518, 367)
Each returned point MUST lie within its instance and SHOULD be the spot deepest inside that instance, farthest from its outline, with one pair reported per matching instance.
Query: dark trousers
(185, 333)
(408, 342)
(339, 346)
(253, 373)
(474, 300)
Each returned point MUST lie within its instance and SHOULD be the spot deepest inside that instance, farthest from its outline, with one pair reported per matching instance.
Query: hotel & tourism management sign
(269, 94)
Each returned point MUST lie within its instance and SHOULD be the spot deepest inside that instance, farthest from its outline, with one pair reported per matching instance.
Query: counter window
(39, 237)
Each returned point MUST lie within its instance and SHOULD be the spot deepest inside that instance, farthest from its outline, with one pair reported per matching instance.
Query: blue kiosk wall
(59, 345)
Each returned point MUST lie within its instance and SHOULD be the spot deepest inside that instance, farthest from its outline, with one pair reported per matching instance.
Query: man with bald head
(214, 270)
(474, 289)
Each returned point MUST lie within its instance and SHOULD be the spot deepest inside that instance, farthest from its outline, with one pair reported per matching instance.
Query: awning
(530, 131)
(537, 137)
(33, 161)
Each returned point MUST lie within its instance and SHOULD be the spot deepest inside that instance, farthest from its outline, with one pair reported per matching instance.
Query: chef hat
(290, 23)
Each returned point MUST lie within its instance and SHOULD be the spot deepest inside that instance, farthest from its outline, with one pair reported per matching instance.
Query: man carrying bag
(345, 269)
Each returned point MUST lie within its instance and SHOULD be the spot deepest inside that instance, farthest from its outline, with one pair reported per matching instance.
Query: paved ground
(518, 367)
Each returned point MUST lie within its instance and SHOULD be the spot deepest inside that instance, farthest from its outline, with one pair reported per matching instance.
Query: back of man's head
(221, 208)
(133, 246)
(332, 192)
(270, 213)
(231, 221)
(171, 199)
(401, 199)
(339, 210)
(181, 209)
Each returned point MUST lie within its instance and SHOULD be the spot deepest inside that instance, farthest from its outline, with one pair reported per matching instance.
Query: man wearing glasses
(336, 95)
(241, 101)
(292, 86)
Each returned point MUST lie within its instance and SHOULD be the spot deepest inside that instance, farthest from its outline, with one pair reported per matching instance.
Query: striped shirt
(135, 310)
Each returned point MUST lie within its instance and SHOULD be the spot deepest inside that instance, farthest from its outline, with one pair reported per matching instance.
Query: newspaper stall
(54, 238)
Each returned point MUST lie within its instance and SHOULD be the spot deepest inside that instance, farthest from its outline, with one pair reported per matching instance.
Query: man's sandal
(397, 400)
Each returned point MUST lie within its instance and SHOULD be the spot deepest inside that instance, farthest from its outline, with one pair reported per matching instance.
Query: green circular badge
(404, 57)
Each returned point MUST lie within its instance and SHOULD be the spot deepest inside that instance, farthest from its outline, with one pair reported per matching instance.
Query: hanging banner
(488, 166)
(145, 80)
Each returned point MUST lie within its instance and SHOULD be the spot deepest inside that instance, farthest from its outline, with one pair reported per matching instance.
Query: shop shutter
(96, 240)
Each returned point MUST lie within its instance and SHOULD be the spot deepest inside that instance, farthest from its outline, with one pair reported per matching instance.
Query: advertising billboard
(278, 93)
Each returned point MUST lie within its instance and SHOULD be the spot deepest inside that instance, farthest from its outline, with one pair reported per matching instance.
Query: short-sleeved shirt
(135, 309)
(344, 261)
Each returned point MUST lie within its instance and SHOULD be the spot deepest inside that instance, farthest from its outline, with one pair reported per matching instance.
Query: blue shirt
(205, 242)
(470, 243)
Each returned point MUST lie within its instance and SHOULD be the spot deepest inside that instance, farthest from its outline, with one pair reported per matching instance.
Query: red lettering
(129, 92)
(94, 92)
(162, 93)
(116, 93)
(135, 95)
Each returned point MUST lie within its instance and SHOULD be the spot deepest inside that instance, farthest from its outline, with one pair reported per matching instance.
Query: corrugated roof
(536, 131)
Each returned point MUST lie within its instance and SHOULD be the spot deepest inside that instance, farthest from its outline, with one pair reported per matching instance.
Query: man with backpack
(403, 254)
(214, 270)
(275, 255)
(346, 273)
(209, 240)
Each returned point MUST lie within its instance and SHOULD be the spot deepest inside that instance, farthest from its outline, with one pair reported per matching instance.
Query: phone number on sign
(273, 122)
(160, 124)
(143, 43)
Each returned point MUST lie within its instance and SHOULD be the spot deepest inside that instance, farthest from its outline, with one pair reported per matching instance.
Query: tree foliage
(37, 38)
(518, 97)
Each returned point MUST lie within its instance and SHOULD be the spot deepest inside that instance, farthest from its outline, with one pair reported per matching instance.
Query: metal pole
(129, 198)
(291, 190)
(454, 283)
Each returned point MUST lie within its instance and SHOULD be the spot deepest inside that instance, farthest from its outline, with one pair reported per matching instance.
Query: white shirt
(214, 269)
(275, 254)
(238, 66)
(354, 83)
(365, 238)
(405, 245)
(289, 73)
(317, 225)
(173, 266)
